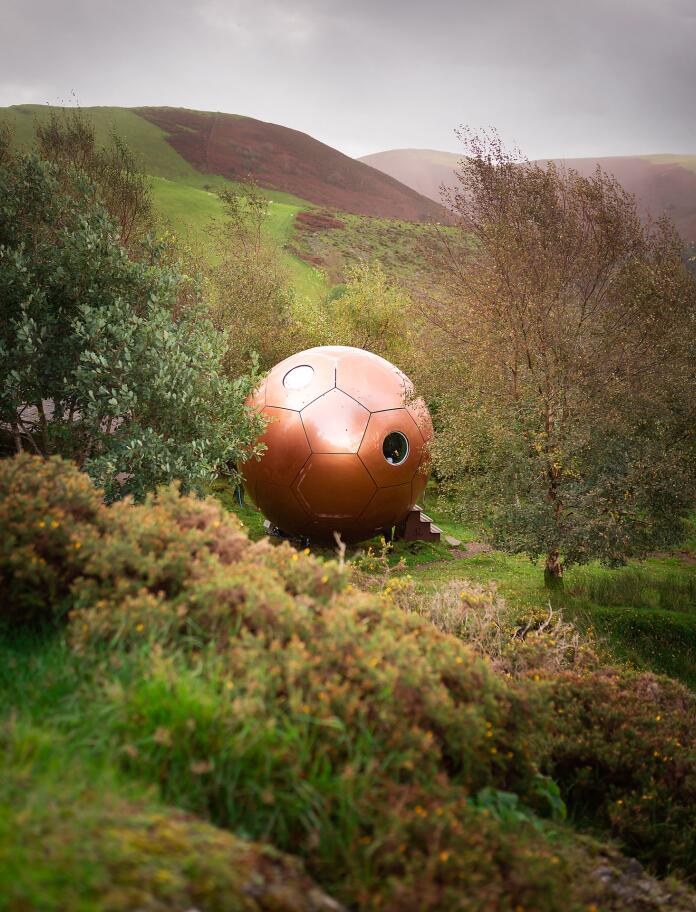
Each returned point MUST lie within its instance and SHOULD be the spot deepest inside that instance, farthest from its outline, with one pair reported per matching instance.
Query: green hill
(184, 196)
(372, 218)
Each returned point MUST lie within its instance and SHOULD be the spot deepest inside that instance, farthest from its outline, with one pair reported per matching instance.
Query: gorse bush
(622, 749)
(181, 572)
(256, 687)
(48, 511)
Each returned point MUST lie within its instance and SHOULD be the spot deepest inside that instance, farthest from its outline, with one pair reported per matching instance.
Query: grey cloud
(556, 77)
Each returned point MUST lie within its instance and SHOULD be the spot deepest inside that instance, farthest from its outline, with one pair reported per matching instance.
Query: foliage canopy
(97, 360)
(564, 344)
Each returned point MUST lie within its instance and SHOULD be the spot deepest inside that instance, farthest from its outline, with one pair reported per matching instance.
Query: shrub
(50, 515)
(542, 641)
(436, 852)
(259, 689)
(98, 361)
(622, 750)
(182, 571)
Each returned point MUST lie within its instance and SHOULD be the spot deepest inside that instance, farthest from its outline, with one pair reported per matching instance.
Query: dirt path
(471, 549)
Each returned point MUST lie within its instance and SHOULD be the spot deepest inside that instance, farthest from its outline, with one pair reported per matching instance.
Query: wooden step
(417, 526)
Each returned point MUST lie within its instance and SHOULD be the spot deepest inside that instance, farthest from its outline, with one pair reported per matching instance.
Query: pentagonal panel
(335, 423)
(279, 505)
(287, 448)
(334, 486)
(290, 385)
(418, 410)
(387, 507)
(372, 381)
(420, 479)
(379, 427)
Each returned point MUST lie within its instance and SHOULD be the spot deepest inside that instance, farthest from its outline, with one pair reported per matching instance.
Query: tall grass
(636, 587)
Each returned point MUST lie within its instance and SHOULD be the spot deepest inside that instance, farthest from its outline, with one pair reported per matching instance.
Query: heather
(203, 684)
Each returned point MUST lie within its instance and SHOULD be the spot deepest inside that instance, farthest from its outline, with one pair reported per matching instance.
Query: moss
(67, 843)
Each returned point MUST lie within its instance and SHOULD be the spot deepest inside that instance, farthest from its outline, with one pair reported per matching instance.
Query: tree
(97, 363)
(115, 179)
(369, 312)
(564, 361)
(252, 299)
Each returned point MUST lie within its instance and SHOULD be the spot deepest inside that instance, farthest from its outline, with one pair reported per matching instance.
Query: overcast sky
(555, 77)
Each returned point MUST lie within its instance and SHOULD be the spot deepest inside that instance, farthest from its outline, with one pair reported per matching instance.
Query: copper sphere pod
(347, 446)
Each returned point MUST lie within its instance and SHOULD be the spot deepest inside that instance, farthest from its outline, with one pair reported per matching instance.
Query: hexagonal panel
(334, 423)
(380, 425)
(279, 505)
(297, 397)
(387, 507)
(287, 448)
(334, 486)
(372, 381)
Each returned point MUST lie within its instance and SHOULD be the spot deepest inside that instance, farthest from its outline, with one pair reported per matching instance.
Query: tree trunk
(17, 438)
(553, 571)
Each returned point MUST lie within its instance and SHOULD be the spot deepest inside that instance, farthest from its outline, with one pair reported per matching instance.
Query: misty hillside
(189, 165)
(283, 159)
(662, 183)
(184, 145)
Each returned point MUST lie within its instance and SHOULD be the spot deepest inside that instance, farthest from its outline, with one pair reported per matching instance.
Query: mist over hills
(661, 183)
(202, 147)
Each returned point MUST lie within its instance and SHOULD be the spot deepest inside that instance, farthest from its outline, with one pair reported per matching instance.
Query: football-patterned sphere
(346, 445)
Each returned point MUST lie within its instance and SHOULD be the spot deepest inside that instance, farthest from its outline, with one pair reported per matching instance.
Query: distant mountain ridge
(661, 183)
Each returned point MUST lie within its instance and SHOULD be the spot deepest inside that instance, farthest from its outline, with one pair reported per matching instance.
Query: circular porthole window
(395, 448)
(298, 377)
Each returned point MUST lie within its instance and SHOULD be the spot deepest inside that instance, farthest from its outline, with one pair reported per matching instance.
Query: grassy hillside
(334, 240)
(184, 197)
(423, 169)
(191, 212)
(314, 255)
(684, 161)
(280, 158)
(147, 140)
